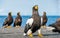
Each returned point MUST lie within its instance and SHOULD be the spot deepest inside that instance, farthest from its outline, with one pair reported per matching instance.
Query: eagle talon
(44, 27)
(40, 35)
(17, 26)
(30, 35)
(8, 27)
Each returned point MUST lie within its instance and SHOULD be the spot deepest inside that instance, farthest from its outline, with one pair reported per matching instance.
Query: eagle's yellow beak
(36, 7)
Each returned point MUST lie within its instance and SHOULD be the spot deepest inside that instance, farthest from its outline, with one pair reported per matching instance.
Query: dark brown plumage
(44, 17)
(18, 20)
(37, 20)
(8, 20)
(56, 25)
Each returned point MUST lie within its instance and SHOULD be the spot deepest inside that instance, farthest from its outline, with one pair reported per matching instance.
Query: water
(51, 19)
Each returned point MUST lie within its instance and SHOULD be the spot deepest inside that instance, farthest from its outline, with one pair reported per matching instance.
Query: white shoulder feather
(29, 21)
(41, 20)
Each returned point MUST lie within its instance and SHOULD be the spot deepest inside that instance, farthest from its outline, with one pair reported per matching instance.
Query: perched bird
(8, 21)
(18, 20)
(44, 20)
(33, 24)
(56, 25)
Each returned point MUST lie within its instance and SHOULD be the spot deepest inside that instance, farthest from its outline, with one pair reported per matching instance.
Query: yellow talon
(41, 26)
(40, 35)
(30, 35)
(17, 26)
(8, 27)
(44, 26)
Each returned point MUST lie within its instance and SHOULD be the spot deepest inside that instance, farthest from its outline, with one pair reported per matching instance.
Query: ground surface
(18, 33)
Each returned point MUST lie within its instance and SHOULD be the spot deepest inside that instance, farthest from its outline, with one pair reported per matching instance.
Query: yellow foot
(44, 27)
(41, 26)
(8, 27)
(31, 36)
(40, 35)
(17, 26)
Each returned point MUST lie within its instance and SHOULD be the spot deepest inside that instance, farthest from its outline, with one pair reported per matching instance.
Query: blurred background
(51, 7)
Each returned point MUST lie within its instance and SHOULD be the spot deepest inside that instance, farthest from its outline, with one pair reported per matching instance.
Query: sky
(52, 7)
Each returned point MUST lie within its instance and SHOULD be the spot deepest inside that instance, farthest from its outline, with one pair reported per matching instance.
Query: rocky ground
(18, 33)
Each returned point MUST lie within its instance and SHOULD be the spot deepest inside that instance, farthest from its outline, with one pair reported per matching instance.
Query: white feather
(29, 32)
(50, 28)
(24, 34)
(41, 20)
(39, 31)
(29, 21)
